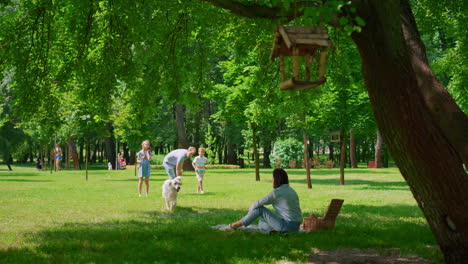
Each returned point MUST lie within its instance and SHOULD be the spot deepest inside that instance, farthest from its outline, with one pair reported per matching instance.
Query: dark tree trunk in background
(266, 154)
(125, 153)
(225, 151)
(132, 158)
(378, 150)
(255, 151)
(240, 152)
(305, 140)
(364, 152)
(404, 95)
(109, 140)
(231, 154)
(9, 161)
(94, 156)
(220, 153)
(352, 150)
(342, 156)
(331, 148)
(384, 156)
(81, 151)
(73, 153)
(181, 134)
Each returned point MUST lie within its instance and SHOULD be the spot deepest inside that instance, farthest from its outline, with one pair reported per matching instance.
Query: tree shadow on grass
(20, 174)
(336, 171)
(366, 184)
(135, 179)
(24, 180)
(185, 236)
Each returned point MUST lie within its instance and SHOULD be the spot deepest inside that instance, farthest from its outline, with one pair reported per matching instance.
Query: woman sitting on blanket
(286, 203)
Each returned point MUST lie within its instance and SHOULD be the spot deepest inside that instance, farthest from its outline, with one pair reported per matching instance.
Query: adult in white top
(174, 161)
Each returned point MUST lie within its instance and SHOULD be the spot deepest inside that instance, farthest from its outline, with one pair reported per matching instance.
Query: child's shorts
(200, 174)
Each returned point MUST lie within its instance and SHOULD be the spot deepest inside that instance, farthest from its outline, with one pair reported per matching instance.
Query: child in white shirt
(199, 166)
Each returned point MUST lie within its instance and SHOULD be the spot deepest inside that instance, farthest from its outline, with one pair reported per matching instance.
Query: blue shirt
(285, 201)
(175, 156)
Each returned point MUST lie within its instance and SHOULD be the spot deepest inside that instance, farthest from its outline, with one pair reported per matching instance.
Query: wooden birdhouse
(335, 136)
(297, 42)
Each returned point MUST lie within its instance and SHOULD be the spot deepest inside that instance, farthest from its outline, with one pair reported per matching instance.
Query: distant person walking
(58, 157)
(143, 159)
(174, 161)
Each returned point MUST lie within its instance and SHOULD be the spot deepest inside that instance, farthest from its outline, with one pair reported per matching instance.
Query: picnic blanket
(250, 228)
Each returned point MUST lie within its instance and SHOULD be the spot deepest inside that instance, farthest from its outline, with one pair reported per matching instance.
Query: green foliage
(286, 150)
(443, 30)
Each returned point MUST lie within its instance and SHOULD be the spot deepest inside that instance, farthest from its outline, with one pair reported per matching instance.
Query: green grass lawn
(61, 218)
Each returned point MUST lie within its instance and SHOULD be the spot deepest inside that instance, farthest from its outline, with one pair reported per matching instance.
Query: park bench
(314, 223)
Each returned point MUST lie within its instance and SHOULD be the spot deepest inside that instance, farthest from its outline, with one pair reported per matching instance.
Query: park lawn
(62, 218)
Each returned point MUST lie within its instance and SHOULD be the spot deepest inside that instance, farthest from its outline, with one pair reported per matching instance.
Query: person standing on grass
(286, 203)
(143, 159)
(199, 166)
(174, 161)
(58, 157)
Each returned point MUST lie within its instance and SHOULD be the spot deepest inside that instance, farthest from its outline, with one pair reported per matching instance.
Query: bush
(286, 150)
(157, 159)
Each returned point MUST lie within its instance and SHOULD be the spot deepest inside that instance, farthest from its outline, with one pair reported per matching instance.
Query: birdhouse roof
(305, 39)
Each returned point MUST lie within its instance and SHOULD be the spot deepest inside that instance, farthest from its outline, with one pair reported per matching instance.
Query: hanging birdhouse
(335, 136)
(297, 42)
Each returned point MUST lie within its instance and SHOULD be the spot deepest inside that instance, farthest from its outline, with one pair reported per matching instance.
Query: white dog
(170, 189)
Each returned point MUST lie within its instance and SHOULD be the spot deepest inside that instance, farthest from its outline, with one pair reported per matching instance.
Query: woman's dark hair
(279, 177)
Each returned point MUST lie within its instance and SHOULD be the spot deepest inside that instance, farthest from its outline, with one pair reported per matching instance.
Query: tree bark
(255, 151)
(331, 149)
(132, 158)
(352, 150)
(342, 156)
(110, 144)
(231, 154)
(306, 157)
(378, 150)
(181, 133)
(72, 151)
(266, 154)
(424, 152)
(125, 152)
(81, 158)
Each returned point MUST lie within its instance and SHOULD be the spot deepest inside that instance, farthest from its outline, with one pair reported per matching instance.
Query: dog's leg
(167, 205)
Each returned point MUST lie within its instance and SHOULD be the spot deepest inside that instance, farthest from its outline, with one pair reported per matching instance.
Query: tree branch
(260, 11)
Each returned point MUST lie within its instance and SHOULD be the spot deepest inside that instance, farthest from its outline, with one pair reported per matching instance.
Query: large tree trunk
(255, 151)
(352, 150)
(378, 150)
(72, 151)
(110, 145)
(429, 158)
(181, 133)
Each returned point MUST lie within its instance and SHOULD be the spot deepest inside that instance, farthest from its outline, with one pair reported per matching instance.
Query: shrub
(286, 150)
